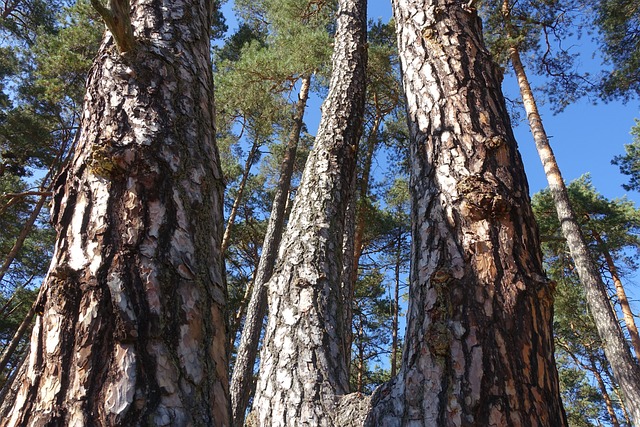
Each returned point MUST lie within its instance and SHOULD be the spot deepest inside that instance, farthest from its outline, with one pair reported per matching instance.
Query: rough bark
(242, 377)
(479, 344)
(302, 370)
(625, 368)
(131, 327)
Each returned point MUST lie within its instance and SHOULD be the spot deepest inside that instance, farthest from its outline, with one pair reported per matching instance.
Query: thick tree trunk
(621, 293)
(479, 342)
(242, 377)
(131, 327)
(302, 369)
(625, 368)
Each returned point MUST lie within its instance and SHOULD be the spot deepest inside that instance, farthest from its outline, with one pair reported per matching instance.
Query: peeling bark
(131, 329)
(479, 343)
(303, 371)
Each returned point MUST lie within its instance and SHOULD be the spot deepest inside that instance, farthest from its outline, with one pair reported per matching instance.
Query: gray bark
(132, 328)
(479, 344)
(303, 371)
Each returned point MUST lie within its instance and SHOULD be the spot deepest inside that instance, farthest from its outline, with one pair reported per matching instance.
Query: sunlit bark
(479, 345)
(302, 365)
(131, 328)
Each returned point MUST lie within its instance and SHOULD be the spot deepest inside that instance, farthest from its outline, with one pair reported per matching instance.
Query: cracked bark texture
(479, 344)
(302, 366)
(131, 328)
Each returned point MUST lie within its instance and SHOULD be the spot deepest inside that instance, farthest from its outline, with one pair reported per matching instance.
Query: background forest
(271, 60)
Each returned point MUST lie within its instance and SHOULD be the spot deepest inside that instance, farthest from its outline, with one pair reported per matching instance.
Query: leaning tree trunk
(131, 326)
(302, 364)
(625, 368)
(242, 377)
(479, 343)
(625, 307)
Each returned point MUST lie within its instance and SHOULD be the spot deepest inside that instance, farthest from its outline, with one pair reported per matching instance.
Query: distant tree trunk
(349, 273)
(479, 343)
(620, 292)
(131, 324)
(625, 368)
(17, 337)
(605, 394)
(616, 390)
(302, 369)
(353, 241)
(242, 378)
(226, 238)
(396, 308)
(24, 233)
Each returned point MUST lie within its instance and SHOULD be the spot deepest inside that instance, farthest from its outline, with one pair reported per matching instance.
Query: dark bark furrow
(478, 347)
(303, 369)
(133, 330)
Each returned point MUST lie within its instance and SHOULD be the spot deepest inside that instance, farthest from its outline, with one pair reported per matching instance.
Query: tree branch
(118, 21)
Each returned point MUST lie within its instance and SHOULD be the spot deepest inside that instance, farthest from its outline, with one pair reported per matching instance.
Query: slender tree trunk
(479, 343)
(132, 330)
(616, 390)
(236, 203)
(302, 369)
(242, 377)
(363, 208)
(605, 394)
(396, 308)
(354, 237)
(361, 363)
(622, 295)
(17, 337)
(22, 236)
(625, 368)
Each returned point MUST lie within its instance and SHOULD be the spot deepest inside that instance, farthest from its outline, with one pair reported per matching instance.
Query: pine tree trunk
(24, 233)
(302, 369)
(625, 368)
(605, 394)
(396, 309)
(131, 327)
(226, 237)
(621, 293)
(246, 354)
(479, 343)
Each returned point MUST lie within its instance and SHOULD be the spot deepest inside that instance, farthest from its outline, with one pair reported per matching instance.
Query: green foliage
(629, 163)
(371, 332)
(608, 225)
(619, 22)
(616, 222)
(540, 30)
